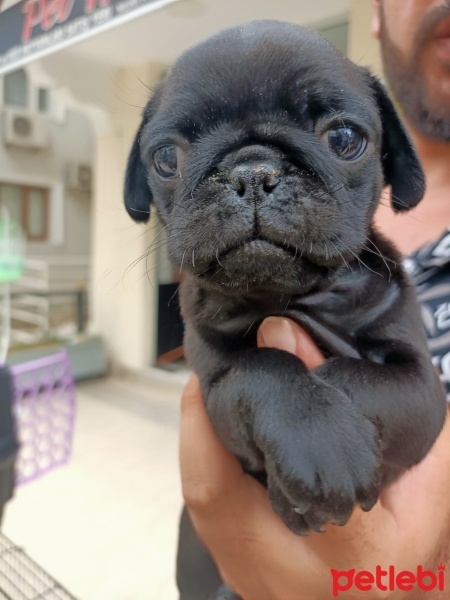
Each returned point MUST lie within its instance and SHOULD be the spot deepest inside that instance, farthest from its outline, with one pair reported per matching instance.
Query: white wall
(7, 4)
(71, 141)
(124, 293)
(362, 47)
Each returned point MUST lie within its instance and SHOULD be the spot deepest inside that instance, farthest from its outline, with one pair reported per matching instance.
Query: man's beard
(425, 105)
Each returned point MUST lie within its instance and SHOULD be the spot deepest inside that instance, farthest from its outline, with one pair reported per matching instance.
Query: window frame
(29, 92)
(25, 190)
(32, 105)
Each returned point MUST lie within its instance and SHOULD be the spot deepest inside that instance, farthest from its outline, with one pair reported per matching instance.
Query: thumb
(284, 334)
(207, 468)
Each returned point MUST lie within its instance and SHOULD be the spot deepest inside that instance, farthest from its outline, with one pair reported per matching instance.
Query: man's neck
(432, 216)
(435, 158)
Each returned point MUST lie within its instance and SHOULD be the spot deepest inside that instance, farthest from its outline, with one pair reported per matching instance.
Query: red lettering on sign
(52, 14)
(91, 5)
(45, 14)
(33, 14)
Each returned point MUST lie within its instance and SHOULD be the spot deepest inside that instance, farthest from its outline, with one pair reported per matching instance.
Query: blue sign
(34, 28)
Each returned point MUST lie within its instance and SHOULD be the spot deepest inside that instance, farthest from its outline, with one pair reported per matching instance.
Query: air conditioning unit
(25, 130)
(78, 178)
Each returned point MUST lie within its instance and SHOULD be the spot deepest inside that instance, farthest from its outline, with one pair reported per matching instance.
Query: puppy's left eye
(347, 143)
(166, 159)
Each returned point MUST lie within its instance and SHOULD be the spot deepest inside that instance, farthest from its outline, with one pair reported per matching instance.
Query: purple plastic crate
(44, 405)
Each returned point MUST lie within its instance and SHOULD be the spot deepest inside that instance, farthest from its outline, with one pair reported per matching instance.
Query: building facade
(98, 84)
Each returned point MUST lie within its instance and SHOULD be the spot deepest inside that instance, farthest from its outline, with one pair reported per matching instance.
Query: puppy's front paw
(319, 467)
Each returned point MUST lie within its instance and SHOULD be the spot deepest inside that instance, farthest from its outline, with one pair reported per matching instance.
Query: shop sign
(33, 28)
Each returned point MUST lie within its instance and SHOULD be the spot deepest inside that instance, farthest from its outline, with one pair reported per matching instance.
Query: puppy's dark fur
(264, 219)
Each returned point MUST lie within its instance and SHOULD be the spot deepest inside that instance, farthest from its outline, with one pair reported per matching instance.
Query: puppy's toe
(319, 516)
(290, 514)
(367, 498)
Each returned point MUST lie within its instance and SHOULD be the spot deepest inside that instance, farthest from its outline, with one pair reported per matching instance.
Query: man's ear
(376, 19)
(401, 167)
(137, 194)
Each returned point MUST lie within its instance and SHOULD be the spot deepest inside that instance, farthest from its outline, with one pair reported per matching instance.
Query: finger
(221, 499)
(207, 468)
(284, 334)
(229, 509)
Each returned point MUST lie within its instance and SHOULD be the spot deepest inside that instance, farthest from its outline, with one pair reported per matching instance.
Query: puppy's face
(265, 152)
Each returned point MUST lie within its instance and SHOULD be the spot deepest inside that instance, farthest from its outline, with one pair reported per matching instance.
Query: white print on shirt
(443, 248)
(442, 316)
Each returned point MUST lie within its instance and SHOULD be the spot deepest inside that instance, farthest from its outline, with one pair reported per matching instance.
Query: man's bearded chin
(425, 105)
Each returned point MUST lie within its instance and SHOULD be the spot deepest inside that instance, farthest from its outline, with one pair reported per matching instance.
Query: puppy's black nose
(258, 178)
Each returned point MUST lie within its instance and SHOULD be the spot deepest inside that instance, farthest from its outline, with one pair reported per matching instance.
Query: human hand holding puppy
(259, 557)
(267, 178)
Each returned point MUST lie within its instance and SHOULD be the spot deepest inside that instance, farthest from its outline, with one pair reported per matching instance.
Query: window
(17, 92)
(15, 89)
(43, 100)
(28, 205)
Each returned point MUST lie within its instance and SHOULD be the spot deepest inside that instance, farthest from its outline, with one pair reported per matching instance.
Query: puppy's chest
(331, 320)
(336, 319)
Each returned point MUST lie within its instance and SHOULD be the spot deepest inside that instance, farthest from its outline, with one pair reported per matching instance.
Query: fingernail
(275, 332)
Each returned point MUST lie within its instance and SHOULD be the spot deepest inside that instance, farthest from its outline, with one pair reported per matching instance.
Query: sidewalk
(105, 525)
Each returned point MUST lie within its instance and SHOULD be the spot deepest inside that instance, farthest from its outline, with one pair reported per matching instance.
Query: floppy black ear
(401, 166)
(137, 194)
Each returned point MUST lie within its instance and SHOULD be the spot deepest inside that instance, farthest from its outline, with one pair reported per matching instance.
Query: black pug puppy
(265, 152)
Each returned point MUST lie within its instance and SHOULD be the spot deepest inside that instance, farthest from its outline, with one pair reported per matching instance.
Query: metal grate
(44, 402)
(22, 579)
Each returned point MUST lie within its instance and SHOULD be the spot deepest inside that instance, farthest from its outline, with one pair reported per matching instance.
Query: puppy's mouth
(257, 251)
(262, 264)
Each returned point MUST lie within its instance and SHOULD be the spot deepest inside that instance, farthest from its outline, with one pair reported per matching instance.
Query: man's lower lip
(443, 48)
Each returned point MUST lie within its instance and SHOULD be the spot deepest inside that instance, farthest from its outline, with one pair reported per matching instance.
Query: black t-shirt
(429, 268)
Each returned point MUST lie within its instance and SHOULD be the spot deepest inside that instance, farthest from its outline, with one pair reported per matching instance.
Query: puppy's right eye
(166, 161)
(347, 143)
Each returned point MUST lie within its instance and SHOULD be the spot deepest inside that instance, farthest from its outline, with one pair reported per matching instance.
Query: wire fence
(23, 579)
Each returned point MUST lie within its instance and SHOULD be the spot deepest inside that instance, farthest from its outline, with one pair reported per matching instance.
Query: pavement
(105, 525)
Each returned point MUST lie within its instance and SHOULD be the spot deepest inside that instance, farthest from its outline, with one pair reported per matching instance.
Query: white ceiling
(162, 35)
